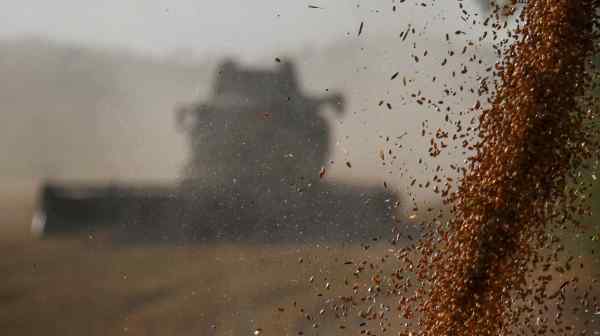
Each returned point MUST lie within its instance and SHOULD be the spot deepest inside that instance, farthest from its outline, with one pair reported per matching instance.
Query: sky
(201, 27)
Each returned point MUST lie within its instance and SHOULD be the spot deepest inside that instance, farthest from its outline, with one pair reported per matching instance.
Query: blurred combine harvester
(257, 148)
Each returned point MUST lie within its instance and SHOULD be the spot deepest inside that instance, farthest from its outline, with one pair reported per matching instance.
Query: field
(89, 286)
(71, 287)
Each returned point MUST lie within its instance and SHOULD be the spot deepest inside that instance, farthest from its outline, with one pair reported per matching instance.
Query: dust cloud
(78, 113)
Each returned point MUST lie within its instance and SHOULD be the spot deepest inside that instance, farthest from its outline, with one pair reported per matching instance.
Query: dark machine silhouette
(257, 147)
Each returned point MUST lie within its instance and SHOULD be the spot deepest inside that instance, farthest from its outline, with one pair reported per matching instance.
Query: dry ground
(71, 287)
(90, 287)
(75, 287)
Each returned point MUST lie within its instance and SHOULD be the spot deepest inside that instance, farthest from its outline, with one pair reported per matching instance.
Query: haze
(89, 88)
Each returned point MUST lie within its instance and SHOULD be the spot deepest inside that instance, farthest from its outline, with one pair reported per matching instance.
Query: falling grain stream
(532, 140)
(497, 266)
